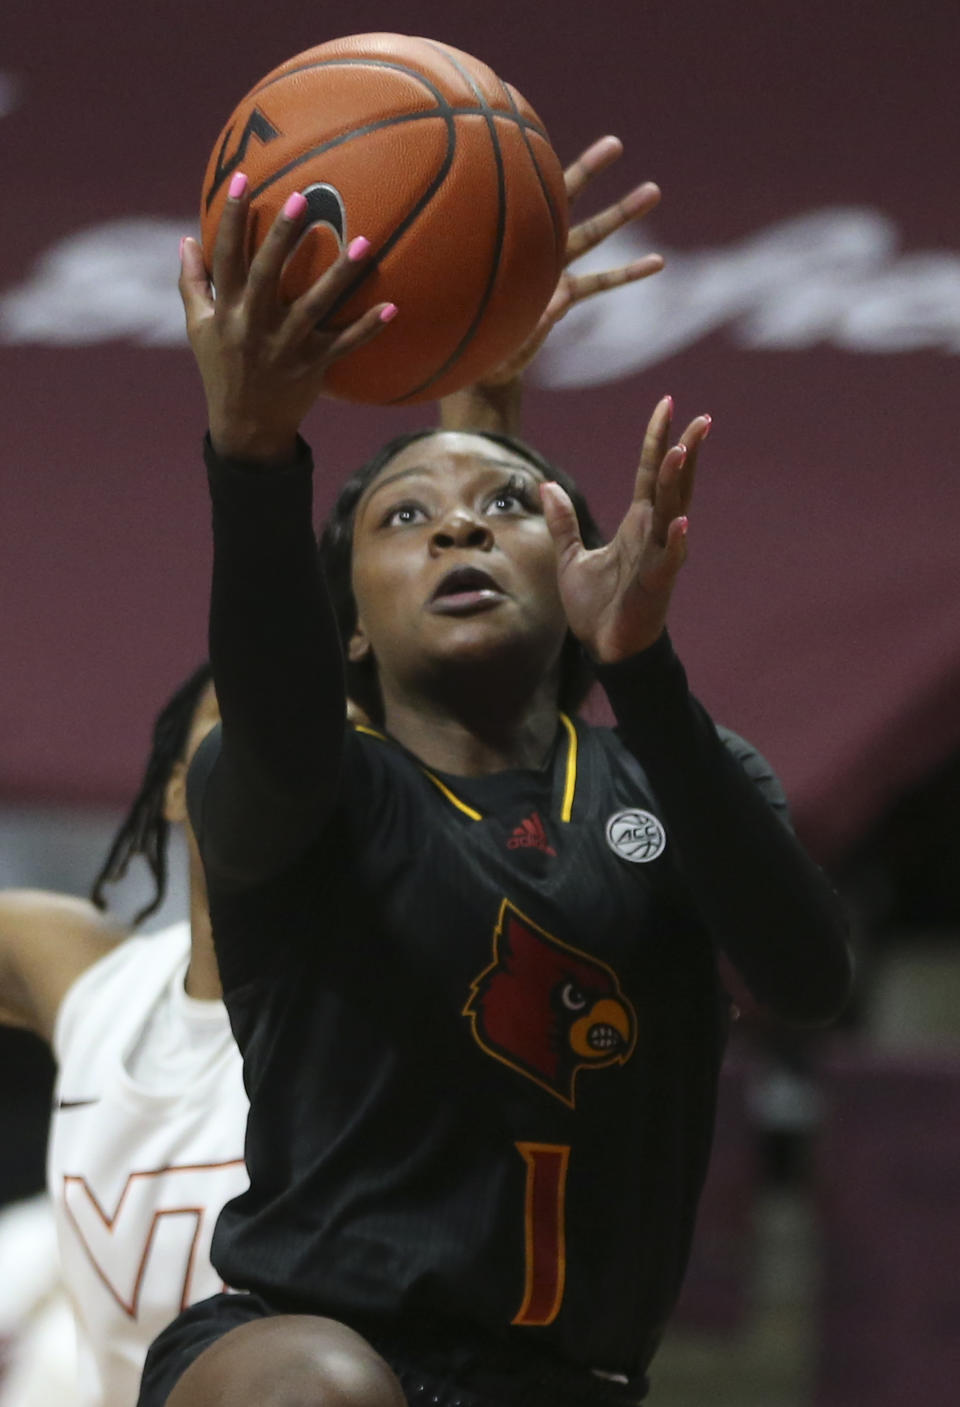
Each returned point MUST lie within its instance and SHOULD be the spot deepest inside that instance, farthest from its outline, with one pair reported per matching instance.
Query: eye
(513, 495)
(404, 515)
(572, 997)
(505, 502)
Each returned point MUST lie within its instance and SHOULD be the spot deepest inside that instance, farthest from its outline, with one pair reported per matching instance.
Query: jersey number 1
(545, 1239)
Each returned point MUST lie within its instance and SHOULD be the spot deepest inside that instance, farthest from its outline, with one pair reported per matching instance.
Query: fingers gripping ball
(445, 169)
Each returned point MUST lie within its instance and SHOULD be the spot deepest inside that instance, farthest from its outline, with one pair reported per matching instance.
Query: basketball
(447, 171)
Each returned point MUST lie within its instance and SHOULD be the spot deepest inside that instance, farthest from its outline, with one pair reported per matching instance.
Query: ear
(359, 646)
(175, 795)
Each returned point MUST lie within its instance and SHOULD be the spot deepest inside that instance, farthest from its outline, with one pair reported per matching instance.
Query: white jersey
(146, 1145)
(38, 1340)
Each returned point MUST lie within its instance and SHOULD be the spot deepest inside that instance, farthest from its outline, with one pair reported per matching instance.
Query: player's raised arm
(766, 903)
(265, 787)
(495, 402)
(46, 942)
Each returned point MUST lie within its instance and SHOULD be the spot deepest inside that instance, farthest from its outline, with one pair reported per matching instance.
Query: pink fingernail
(684, 524)
(389, 312)
(681, 447)
(669, 401)
(706, 428)
(295, 206)
(237, 186)
(357, 248)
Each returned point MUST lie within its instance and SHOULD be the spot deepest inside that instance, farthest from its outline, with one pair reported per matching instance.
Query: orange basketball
(445, 169)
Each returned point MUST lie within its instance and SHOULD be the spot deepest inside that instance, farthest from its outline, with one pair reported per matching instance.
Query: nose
(461, 528)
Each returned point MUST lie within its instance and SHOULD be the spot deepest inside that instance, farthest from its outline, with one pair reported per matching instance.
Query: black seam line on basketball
(411, 216)
(498, 240)
(263, 130)
(443, 104)
(442, 101)
(434, 115)
(443, 109)
(504, 88)
(536, 166)
(404, 118)
(370, 264)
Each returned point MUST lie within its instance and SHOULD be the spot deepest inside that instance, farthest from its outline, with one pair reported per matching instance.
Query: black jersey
(480, 1018)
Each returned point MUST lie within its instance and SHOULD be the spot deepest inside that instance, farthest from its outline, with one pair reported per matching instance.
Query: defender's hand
(572, 288)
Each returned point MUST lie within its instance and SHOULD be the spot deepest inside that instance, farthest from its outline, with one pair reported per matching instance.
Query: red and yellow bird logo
(548, 1010)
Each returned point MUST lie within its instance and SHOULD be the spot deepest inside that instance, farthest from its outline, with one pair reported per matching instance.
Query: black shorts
(435, 1368)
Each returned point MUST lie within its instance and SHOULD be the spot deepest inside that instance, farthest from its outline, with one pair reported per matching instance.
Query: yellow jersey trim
(570, 782)
(454, 800)
(569, 785)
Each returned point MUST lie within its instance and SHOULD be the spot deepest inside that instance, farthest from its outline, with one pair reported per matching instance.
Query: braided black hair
(336, 558)
(145, 829)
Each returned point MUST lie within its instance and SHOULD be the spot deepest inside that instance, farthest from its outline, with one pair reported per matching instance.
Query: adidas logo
(530, 835)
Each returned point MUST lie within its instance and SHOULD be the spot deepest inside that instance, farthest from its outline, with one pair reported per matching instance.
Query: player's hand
(572, 288)
(263, 361)
(616, 597)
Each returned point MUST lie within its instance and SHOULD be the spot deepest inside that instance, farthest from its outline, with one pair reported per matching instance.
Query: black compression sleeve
(278, 672)
(768, 906)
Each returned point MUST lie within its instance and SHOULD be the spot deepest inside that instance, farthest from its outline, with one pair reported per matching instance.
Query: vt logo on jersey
(548, 1010)
(152, 1252)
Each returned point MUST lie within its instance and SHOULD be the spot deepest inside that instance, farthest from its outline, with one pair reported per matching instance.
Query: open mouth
(465, 589)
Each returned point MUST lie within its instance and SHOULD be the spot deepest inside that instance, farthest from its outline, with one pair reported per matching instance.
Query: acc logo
(636, 836)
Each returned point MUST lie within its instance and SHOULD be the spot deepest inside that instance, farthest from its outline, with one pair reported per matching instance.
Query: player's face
(452, 561)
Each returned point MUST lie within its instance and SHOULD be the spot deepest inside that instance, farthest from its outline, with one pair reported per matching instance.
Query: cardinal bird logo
(548, 1010)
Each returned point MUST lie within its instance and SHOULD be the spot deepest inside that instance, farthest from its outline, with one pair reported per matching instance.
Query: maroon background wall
(812, 305)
